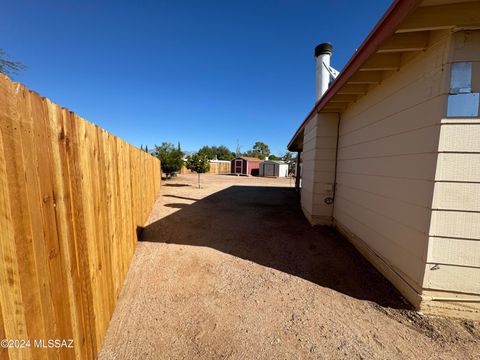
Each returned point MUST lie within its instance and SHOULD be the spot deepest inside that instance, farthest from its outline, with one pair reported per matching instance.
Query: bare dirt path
(233, 270)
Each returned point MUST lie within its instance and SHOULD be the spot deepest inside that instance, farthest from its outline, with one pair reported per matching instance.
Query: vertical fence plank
(38, 281)
(13, 314)
(64, 216)
(58, 293)
(76, 180)
(87, 155)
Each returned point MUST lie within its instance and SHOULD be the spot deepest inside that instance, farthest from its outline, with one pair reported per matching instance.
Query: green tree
(171, 158)
(252, 153)
(224, 153)
(288, 157)
(199, 164)
(216, 152)
(273, 157)
(260, 150)
(9, 67)
(210, 152)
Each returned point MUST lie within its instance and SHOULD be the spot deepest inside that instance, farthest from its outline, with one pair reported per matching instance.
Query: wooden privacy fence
(216, 167)
(219, 167)
(184, 170)
(71, 199)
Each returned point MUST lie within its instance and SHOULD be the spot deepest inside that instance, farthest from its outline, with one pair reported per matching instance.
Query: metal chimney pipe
(322, 60)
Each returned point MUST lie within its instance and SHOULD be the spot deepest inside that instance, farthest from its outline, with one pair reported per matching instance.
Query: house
(273, 168)
(391, 152)
(244, 165)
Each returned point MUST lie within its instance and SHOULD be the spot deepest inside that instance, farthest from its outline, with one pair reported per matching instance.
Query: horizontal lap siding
(454, 248)
(376, 240)
(459, 196)
(455, 279)
(458, 167)
(318, 171)
(412, 166)
(414, 192)
(454, 251)
(71, 198)
(387, 159)
(308, 166)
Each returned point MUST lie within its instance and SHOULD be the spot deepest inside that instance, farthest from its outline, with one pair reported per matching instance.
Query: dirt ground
(233, 270)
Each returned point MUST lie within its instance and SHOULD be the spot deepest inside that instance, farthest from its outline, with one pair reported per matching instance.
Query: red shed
(244, 165)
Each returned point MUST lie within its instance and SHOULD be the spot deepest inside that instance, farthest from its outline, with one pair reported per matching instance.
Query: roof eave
(385, 27)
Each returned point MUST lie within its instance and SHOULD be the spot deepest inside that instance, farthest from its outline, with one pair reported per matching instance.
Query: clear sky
(198, 72)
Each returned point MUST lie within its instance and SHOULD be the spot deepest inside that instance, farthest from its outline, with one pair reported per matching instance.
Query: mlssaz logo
(54, 343)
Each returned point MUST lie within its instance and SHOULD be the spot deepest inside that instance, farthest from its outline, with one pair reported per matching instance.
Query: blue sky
(198, 72)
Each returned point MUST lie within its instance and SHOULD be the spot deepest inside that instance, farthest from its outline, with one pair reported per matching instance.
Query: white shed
(273, 168)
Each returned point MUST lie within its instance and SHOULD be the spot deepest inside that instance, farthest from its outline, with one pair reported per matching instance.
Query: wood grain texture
(71, 199)
(219, 168)
(215, 168)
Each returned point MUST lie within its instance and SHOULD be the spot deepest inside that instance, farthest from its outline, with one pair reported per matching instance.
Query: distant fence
(216, 167)
(184, 170)
(71, 199)
(219, 167)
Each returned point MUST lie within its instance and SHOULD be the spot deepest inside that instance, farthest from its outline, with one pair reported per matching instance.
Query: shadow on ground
(266, 226)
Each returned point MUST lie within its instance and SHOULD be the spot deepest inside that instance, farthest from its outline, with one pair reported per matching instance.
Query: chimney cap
(325, 48)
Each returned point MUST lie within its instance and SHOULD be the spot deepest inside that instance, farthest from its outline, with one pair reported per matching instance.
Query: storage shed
(244, 165)
(273, 168)
(391, 152)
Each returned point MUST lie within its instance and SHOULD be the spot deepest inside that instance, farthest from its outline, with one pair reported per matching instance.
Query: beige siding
(457, 196)
(453, 263)
(318, 171)
(455, 279)
(457, 224)
(308, 167)
(458, 167)
(407, 180)
(466, 46)
(454, 247)
(462, 135)
(387, 157)
(454, 251)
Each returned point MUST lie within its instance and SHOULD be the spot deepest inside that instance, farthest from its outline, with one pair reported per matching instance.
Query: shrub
(171, 158)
